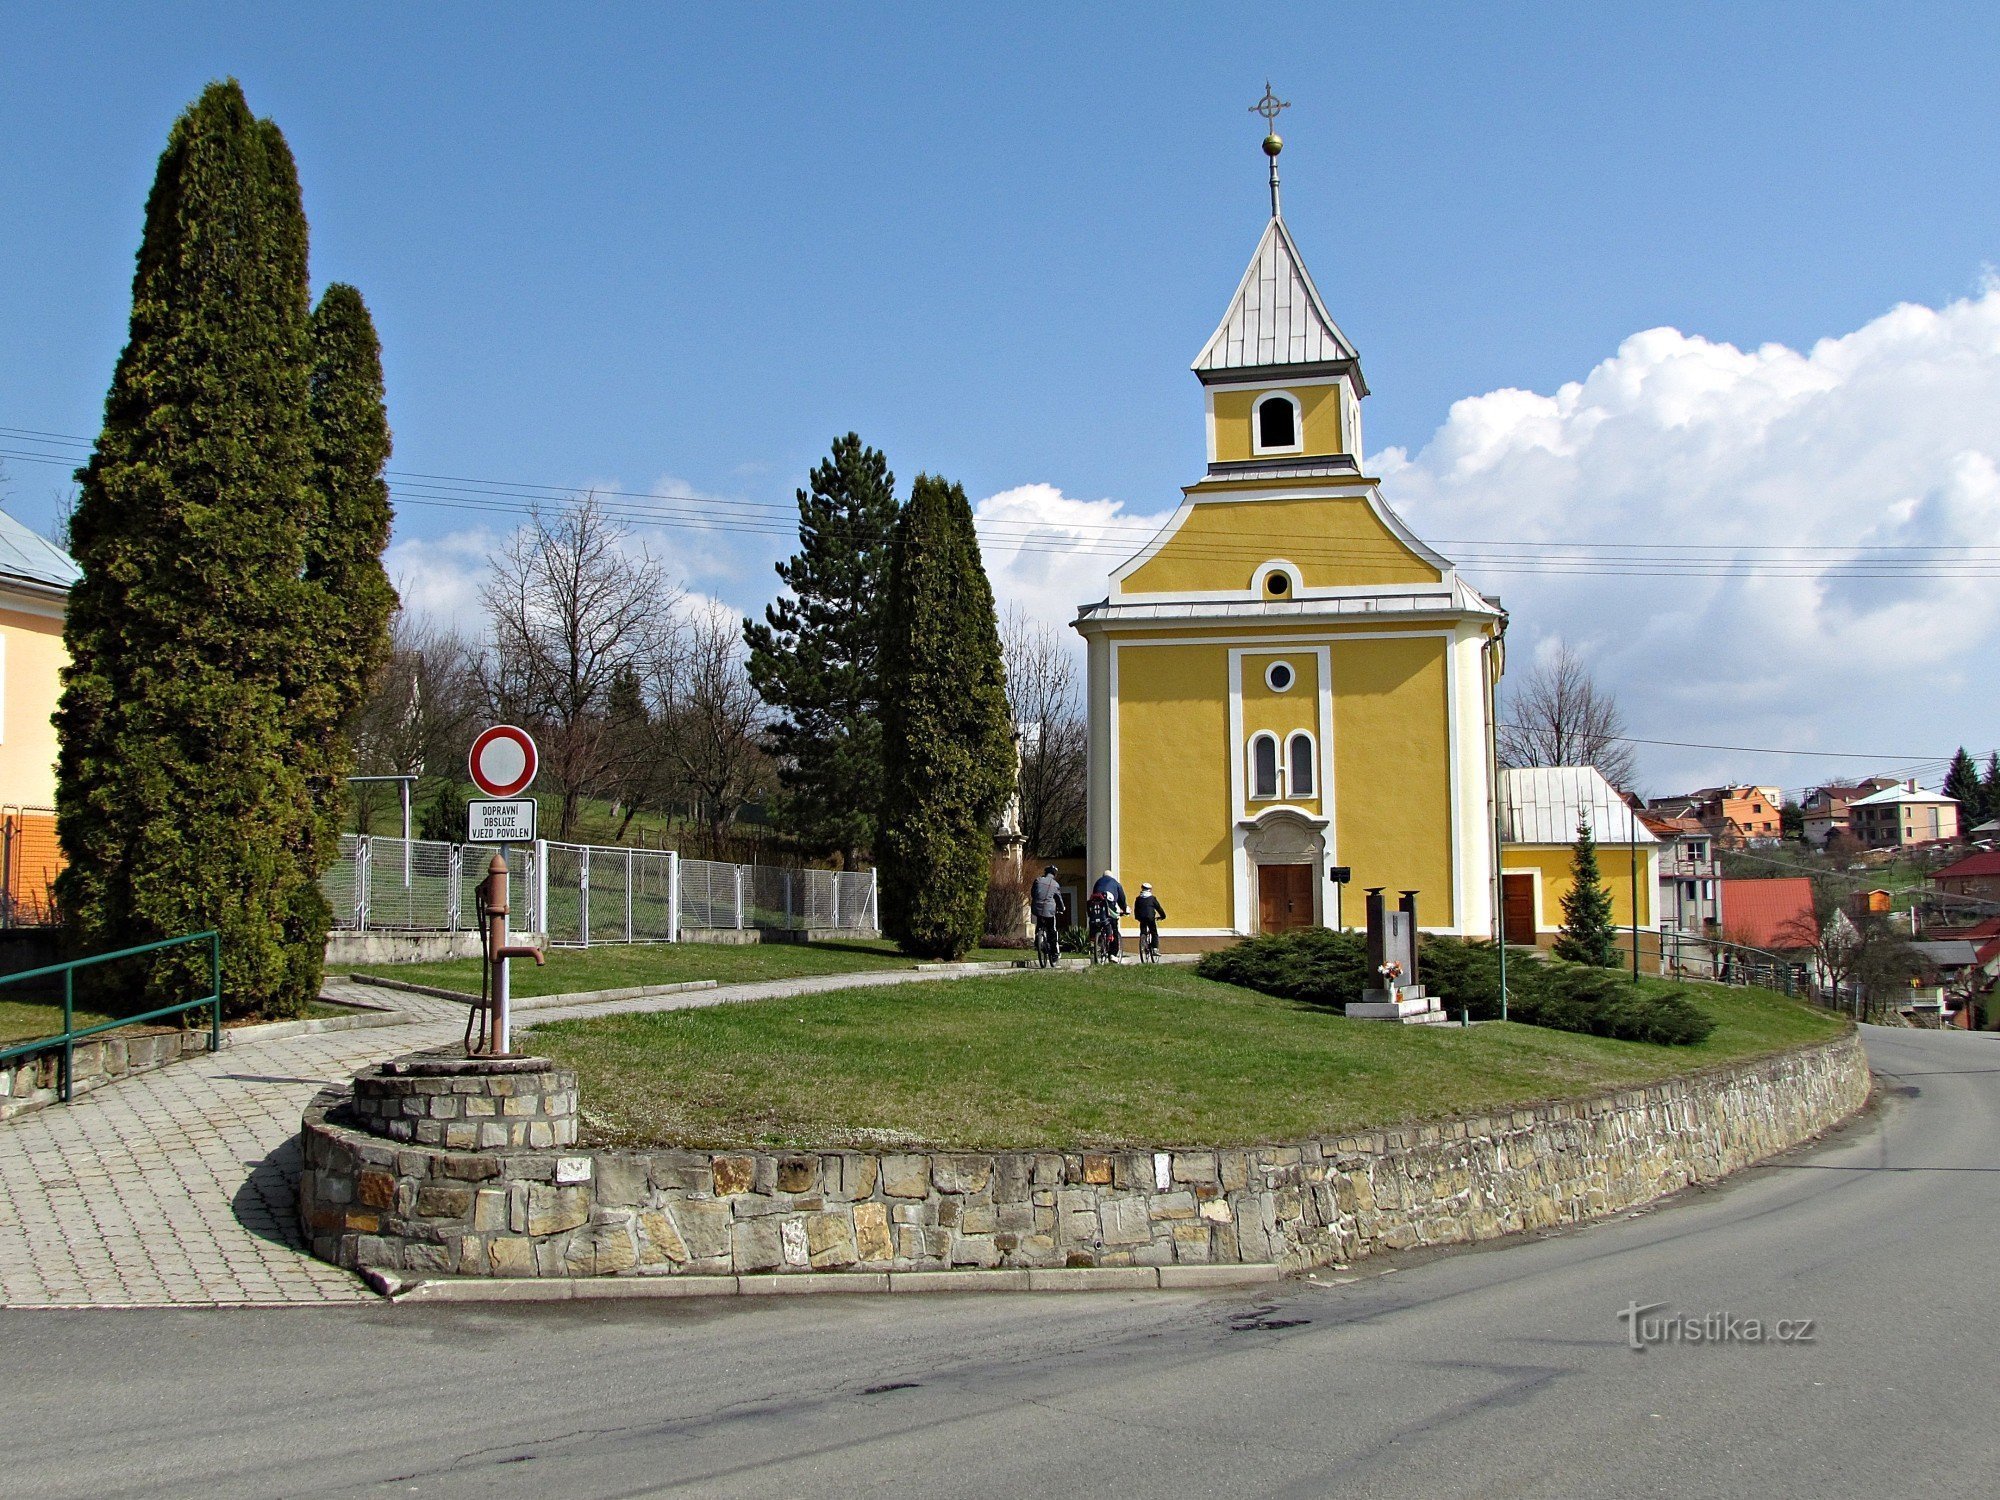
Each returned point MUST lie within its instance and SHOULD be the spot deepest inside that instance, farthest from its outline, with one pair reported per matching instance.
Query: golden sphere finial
(1273, 144)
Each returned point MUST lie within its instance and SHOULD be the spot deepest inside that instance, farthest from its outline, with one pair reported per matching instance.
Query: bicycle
(1149, 947)
(1048, 947)
(1103, 933)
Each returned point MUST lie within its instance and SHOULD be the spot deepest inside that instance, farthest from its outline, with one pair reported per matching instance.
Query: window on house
(1279, 676)
(1278, 583)
(1264, 766)
(1277, 423)
(1301, 750)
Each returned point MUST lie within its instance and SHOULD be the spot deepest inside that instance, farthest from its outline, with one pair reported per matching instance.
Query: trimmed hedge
(1327, 969)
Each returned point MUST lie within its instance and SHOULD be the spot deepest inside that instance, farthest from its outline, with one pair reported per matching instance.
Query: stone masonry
(369, 1201)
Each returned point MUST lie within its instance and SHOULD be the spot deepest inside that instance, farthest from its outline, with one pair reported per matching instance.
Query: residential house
(1736, 817)
(1540, 810)
(1770, 926)
(1904, 815)
(1948, 982)
(1825, 807)
(35, 580)
(1976, 877)
(1690, 891)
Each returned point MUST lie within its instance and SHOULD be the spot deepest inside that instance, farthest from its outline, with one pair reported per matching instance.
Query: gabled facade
(1541, 810)
(1287, 680)
(1902, 816)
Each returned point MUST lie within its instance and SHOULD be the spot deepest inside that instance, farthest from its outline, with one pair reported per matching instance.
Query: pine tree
(1989, 787)
(183, 803)
(1588, 936)
(948, 760)
(348, 595)
(1961, 783)
(815, 659)
(444, 817)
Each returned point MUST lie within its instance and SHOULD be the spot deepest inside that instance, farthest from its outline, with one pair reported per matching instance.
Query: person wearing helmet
(1107, 898)
(1150, 913)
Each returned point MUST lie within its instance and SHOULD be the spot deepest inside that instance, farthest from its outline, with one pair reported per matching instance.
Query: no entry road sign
(511, 821)
(502, 761)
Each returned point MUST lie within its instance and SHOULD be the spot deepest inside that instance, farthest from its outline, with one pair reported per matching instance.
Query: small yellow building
(1287, 680)
(35, 579)
(1541, 808)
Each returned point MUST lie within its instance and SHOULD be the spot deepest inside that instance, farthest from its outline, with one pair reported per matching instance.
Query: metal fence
(580, 894)
(30, 859)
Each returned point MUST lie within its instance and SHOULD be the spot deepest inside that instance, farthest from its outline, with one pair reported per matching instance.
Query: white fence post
(361, 883)
(583, 896)
(836, 900)
(737, 870)
(629, 935)
(674, 896)
(874, 920)
(541, 888)
(454, 874)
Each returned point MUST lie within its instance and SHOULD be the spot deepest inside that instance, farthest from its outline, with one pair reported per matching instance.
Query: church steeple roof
(1276, 319)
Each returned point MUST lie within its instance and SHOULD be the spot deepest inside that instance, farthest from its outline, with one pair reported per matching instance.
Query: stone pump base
(451, 1181)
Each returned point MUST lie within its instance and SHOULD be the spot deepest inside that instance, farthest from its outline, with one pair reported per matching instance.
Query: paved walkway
(178, 1187)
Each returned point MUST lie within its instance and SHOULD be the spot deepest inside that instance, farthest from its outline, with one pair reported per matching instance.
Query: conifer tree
(348, 597)
(948, 761)
(1989, 787)
(816, 658)
(1961, 783)
(1588, 936)
(183, 800)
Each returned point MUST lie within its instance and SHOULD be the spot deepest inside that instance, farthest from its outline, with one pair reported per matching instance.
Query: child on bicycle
(1150, 914)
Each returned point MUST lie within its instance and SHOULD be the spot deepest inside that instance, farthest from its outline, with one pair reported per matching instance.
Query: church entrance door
(1284, 897)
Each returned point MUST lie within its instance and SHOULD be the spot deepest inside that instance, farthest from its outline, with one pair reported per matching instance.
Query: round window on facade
(1279, 676)
(1278, 584)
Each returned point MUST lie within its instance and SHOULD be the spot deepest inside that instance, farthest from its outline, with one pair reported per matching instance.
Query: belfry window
(1301, 752)
(1277, 424)
(1264, 766)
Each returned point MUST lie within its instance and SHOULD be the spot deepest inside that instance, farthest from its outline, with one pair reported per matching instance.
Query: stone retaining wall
(32, 1082)
(367, 1201)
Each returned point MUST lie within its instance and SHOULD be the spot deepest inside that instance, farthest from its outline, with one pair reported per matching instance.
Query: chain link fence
(581, 894)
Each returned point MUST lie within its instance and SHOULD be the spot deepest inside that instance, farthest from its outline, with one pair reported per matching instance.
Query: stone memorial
(1392, 960)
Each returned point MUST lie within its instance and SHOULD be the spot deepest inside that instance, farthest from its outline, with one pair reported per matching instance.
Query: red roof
(1758, 912)
(1986, 863)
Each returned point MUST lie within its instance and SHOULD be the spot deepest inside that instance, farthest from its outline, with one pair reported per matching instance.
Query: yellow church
(1286, 681)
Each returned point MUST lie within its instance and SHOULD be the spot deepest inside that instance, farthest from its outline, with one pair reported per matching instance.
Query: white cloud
(439, 577)
(1884, 438)
(1049, 553)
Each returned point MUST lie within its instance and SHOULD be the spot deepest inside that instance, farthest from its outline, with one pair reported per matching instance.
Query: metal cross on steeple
(1268, 107)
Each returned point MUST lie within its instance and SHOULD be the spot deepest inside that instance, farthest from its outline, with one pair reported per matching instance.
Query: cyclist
(1045, 901)
(1150, 913)
(1113, 896)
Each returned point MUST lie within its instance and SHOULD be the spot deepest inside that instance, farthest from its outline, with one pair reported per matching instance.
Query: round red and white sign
(503, 761)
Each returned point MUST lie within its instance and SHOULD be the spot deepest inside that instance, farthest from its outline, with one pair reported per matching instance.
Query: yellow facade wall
(1337, 541)
(1282, 714)
(1319, 412)
(31, 662)
(1174, 820)
(1614, 865)
(1393, 770)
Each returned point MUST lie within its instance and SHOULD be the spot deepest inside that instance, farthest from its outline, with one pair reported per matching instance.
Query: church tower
(1286, 682)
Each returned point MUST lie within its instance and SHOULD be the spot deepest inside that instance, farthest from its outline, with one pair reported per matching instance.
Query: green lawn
(27, 1021)
(625, 966)
(1106, 1057)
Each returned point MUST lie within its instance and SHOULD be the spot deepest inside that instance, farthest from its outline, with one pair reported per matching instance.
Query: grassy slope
(1099, 1058)
(625, 966)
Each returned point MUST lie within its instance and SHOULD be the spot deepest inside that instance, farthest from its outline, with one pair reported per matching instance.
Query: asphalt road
(1505, 1371)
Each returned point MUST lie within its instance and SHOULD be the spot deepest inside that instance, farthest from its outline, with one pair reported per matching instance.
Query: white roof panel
(1544, 804)
(1276, 316)
(25, 555)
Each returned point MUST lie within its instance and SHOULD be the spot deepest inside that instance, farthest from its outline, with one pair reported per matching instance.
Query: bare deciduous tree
(1045, 692)
(573, 607)
(711, 722)
(417, 717)
(1559, 716)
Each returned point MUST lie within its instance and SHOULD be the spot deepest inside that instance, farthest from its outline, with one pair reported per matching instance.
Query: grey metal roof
(1889, 795)
(1338, 466)
(1544, 804)
(26, 557)
(1276, 316)
(1947, 953)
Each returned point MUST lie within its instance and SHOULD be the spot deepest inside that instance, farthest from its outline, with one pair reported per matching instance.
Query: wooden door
(1517, 919)
(1284, 897)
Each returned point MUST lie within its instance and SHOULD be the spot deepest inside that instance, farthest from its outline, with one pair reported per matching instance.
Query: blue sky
(684, 248)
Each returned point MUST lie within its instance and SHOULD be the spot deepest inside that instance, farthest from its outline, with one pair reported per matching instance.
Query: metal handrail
(70, 1035)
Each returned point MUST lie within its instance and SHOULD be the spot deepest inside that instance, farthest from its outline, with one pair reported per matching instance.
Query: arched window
(1302, 760)
(1264, 766)
(1277, 424)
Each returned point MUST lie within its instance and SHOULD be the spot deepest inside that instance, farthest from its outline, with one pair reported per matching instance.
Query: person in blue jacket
(1114, 899)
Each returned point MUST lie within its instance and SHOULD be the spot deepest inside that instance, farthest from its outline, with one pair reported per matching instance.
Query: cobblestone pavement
(177, 1187)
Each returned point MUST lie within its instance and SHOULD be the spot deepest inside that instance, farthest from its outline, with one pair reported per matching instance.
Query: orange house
(35, 580)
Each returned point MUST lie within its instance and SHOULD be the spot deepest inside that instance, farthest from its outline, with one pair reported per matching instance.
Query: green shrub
(1329, 969)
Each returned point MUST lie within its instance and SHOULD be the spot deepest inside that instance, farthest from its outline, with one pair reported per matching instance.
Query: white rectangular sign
(510, 821)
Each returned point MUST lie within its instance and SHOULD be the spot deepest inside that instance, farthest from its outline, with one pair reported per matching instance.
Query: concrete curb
(278, 1031)
(832, 1283)
(543, 1002)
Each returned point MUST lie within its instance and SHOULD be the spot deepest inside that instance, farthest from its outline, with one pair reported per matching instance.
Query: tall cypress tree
(816, 658)
(948, 753)
(1961, 783)
(182, 799)
(1588, 936)
(348, 595)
